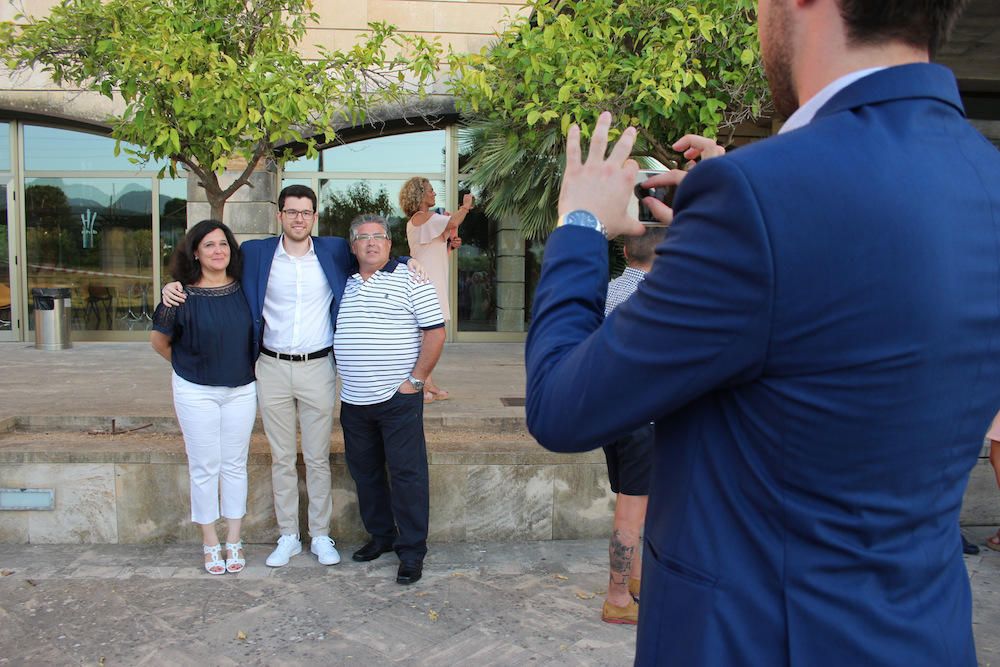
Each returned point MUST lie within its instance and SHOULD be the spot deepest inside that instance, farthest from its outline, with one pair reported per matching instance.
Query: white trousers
(216, 423)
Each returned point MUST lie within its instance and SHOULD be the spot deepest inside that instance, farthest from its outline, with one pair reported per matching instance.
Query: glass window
(533, 252)
(173, 221)
(413, 153)
(6, 318)
(93, 235)
(477, 271)
(53, 149)
(340, 200)
(4, 147)
(302, 164)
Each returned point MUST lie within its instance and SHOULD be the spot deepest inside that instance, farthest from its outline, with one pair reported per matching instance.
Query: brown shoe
(627, 615)
(633, 588)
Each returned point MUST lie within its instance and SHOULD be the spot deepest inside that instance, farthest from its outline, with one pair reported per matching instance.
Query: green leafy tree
(205, 82)
(667, 67)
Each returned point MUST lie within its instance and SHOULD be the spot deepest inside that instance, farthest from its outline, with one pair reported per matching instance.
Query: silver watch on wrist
(417, 384)
(582, 218)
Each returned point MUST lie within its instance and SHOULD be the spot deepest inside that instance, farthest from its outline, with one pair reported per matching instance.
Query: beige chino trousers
(308, 388)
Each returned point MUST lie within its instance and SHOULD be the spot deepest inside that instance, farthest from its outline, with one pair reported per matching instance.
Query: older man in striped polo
(389, 336)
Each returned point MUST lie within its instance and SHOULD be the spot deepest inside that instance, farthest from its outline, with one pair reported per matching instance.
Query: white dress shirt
(805, 113)
(297, 304)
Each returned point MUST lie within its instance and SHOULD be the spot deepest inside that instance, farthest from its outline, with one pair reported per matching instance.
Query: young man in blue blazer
(816, 342)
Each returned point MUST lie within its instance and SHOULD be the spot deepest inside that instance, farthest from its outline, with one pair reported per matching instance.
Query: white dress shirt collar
(805, 113)
(281, 247)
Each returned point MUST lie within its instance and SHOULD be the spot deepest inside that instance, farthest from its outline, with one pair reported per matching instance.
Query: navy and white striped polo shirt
(378, 334)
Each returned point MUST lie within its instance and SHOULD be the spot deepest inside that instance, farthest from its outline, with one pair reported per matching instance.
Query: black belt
(319, 354)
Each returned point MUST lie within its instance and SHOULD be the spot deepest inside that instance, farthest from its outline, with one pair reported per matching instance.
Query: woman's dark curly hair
(183, 266)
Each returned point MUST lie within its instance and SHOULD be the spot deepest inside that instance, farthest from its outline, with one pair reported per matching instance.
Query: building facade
(72, 214)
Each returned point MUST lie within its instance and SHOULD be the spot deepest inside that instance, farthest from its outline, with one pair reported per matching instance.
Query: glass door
(9, 320)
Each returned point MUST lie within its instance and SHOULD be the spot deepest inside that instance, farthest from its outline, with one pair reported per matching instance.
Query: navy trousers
(395, 508)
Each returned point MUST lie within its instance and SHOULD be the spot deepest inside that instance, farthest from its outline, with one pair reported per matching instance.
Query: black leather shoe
(968, 548)
(371, 551)
(409, 572)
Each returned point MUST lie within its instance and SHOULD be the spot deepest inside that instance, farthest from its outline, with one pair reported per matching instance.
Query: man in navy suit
(817, 343)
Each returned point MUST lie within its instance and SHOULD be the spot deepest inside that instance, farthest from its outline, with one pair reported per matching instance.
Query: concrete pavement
(482, 603)
(478, 604)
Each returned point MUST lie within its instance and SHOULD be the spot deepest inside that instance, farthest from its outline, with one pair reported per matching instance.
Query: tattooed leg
(625, 547)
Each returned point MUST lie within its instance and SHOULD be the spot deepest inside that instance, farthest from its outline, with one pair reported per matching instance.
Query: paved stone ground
(484, 604)
(109, 379)
(528, 603)
(481, 604)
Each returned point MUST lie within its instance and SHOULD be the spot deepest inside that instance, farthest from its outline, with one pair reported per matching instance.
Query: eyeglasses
(371, 237)
(292, 213)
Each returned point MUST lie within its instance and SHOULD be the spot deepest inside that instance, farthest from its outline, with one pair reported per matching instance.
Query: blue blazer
(334, 255)
(819, 344)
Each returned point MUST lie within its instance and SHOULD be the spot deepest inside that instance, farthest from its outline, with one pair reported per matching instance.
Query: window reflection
(53, 149)
(94, 236)
(5, 147)
(173, 222)
(411, 154)
(477, 272)
(6, 317)
(341, 200)
(533, 251)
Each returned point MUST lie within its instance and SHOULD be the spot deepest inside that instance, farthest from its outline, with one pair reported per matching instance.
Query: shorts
(630, 459)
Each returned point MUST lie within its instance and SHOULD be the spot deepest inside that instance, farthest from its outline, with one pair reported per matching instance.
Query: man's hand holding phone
(656, 191)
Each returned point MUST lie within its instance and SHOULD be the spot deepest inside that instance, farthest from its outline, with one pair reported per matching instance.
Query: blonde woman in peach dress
(993, 541)
(431, 236)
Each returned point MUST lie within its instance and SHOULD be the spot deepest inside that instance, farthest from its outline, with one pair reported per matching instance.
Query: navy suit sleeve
(699, 321)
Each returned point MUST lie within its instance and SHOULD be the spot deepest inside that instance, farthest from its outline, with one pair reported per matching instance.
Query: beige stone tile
(10, 10)
(448, 484)
(582, 503)
(509, 503)
(84, 498)
(405, 15)
(981, 506)
(259, 525)
(469, 18)
(14, 527)
(154, 505)
(346, 525)
(342, 13)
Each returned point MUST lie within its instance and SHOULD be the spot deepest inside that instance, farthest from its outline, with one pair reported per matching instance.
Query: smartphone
(663, 193)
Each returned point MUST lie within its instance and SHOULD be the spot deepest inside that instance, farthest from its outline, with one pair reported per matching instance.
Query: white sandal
(216, 565)
(234, 564)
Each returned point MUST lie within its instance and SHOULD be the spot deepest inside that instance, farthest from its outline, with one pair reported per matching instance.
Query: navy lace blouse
(211, 336)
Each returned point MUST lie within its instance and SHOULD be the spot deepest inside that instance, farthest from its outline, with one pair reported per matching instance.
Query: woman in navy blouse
(208, 340)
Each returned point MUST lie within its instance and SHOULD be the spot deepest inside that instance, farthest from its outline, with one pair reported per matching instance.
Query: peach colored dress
(994, 432)
(429, 246)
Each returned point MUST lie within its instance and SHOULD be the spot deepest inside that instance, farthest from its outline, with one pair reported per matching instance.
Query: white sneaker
(323, 547)
(288, 546)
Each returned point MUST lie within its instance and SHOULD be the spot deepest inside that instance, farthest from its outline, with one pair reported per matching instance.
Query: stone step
(132, 487)
(492, 482)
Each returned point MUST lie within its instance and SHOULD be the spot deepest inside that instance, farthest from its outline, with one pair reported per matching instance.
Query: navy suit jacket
(334, 255)
(819, 344)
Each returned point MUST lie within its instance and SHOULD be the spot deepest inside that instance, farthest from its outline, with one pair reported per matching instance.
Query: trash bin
(53, 307)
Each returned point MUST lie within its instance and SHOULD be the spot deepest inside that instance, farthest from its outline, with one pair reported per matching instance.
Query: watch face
(582, 219)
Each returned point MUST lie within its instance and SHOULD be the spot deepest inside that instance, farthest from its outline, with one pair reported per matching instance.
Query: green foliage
(667, 67)
(207, 81)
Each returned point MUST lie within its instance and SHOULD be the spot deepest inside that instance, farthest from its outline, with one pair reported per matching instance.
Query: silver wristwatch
(417, 384)
(582, 218)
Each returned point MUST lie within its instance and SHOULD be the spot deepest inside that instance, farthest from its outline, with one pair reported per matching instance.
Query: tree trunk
(217, 203)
